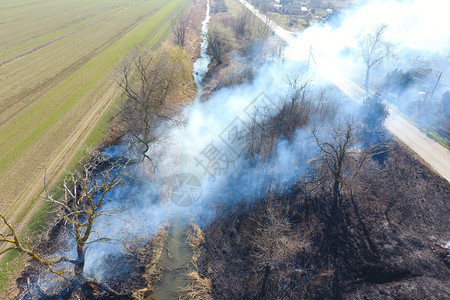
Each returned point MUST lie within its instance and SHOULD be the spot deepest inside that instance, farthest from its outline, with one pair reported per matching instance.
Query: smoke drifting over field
(417, 31)
(416, 24)
(189, 149)
(415, 28)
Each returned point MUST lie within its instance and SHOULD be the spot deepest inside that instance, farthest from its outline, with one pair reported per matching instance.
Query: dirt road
(431, 152)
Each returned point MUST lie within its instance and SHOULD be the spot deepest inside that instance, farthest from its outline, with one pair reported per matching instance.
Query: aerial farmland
(56, 88)
(224, 149)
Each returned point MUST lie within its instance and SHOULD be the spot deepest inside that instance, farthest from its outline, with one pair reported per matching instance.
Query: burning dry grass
(197, 286)
(153, 270)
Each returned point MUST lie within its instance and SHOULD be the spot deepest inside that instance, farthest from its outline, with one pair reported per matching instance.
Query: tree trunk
(366, 82)
(336, 291)
(262, 292)
(335, 194)
(79, 266)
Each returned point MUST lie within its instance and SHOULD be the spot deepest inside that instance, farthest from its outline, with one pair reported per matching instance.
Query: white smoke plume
(419, 26)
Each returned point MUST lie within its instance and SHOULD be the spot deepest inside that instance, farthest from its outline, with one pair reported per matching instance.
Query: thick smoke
(414, 28)
(417, 31)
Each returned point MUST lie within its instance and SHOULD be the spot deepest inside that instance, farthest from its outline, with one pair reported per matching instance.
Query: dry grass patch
(197, 286)
(153, 271)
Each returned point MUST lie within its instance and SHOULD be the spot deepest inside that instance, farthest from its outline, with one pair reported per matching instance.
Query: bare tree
(84, 195)
(85, 192)
(335, 156)
(179, 27)
(243, 23)
(261, 32)
(374, 49)
(296, 109)
(298, 87)
(219, 43)
(342, 159)
(148, 79)
(271, 244)
(340, 163)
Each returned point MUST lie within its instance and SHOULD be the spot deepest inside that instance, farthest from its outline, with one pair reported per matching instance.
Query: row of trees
(339, 161)
(149, 80)
(248, 30)
(329, 184)
(343, 145)
(276, 241)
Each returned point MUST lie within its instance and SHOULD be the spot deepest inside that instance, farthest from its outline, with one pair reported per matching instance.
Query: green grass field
(56, 88)
(47, 93)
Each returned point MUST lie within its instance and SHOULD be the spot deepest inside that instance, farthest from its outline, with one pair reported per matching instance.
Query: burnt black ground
(405, 210)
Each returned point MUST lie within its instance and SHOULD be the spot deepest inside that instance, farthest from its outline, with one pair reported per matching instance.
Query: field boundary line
(65, 73)
(66, 35)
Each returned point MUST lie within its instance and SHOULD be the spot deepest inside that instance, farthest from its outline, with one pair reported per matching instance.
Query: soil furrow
(41, 89)
(64, 36)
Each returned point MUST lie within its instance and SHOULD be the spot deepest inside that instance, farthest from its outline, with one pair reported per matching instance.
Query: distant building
(292, 9)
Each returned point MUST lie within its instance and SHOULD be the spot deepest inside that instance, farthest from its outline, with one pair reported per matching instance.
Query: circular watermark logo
(186, 189)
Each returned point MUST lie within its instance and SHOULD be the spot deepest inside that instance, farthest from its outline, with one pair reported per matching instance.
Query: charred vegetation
(384, 243)
(321, 204)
